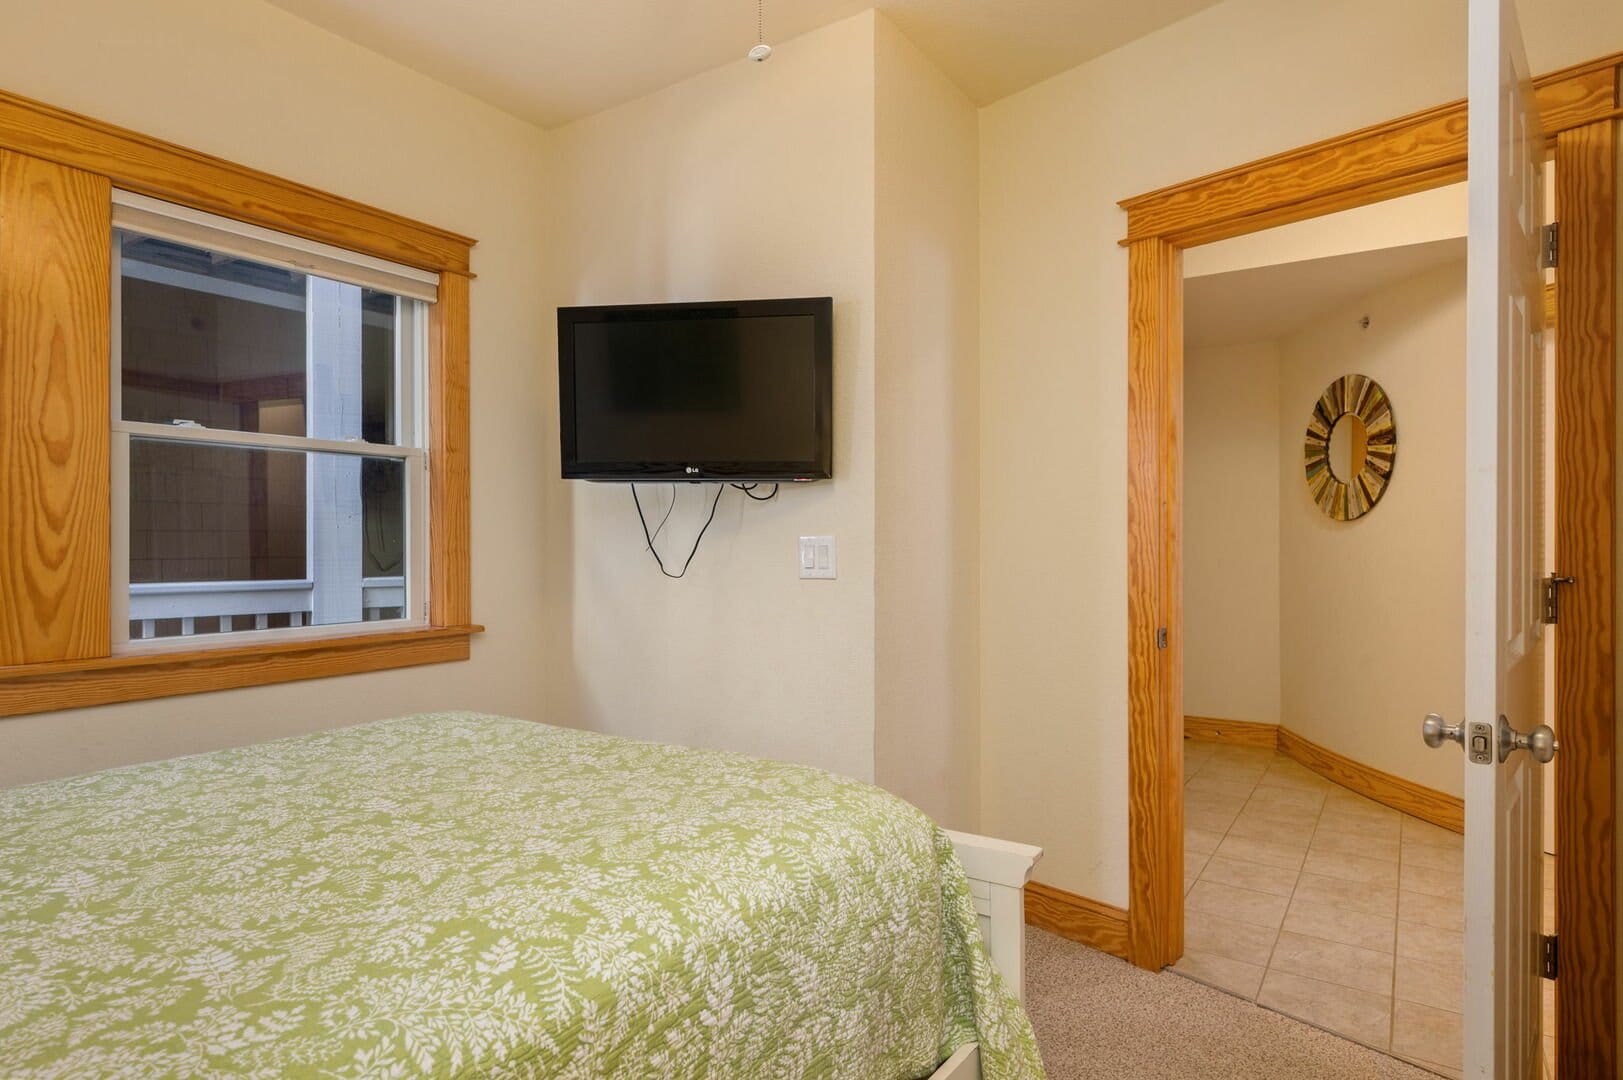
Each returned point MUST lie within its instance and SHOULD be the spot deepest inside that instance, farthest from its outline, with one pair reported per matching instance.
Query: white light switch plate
(817, 557)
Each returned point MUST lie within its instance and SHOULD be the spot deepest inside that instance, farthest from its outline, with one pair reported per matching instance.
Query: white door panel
(1504, 660)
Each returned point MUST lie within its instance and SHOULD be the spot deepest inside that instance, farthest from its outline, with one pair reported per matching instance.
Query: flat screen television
(733, 390)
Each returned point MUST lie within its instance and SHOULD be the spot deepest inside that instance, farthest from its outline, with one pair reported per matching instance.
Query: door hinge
(1551, 951)
(1160, 637)
(1551, 590)
(1550, 249)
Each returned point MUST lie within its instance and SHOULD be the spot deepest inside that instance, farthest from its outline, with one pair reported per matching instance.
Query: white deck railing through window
(262, 601)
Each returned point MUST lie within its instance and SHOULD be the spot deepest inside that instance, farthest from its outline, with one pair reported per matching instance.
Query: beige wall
(927, 736)
(844, 167)
(1054, 161)
(1372, 611)
(752, 180)
(246, 81)
(1231, 532)
(758, 180)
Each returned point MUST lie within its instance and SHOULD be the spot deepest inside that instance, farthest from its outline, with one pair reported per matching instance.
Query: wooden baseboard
(1234, 732)
(1101, 926)
(1417, 800)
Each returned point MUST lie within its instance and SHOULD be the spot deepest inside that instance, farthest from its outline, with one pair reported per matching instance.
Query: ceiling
(552, 61)
(1267, 302)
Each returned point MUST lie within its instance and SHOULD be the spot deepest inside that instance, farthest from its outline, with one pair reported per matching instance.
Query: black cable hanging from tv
(670, 506)
(749, 490)
(697, 540)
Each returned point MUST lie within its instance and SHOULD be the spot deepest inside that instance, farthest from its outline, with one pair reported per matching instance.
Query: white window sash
(255, 440)
(183, 225)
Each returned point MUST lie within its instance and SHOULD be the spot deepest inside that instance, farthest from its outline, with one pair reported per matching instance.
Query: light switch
(817, 558)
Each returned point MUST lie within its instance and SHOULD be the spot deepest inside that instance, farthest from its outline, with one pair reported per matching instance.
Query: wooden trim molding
(450, 493)
(1154, 638)
(1412, 153)
(1416, 800)
(1586, 638)
(1232, 732)
(1428, 804)
(176, 174)
(1580, 107)
(54, 484)
(1076, 918)
(34, 688)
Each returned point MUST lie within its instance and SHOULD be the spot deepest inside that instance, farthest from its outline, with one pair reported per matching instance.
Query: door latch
(1160, 637)
(1550, 950)
(1478, 739)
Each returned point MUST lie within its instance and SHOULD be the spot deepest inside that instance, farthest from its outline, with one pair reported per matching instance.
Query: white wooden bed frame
(998, 871)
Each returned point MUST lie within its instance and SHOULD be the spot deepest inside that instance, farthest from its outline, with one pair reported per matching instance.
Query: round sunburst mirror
(1351, 445)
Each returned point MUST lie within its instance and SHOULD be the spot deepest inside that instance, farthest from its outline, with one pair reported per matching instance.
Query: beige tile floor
(1323, 905)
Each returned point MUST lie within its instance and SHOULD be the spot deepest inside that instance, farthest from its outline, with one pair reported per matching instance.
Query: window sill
(73, 684)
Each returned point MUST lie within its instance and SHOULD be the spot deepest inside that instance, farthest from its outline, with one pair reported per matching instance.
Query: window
(233, 424)
(268, 440)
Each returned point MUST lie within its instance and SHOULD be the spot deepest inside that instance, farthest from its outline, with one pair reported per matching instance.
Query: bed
(462, 895)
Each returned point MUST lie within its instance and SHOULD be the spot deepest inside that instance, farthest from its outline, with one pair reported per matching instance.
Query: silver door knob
(1436, 731)
(1540, 742)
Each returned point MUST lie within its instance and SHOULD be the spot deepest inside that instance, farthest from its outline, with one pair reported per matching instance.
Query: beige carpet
(1097, 1016)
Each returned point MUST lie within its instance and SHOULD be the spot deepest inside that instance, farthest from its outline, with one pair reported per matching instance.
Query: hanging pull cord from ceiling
(762, 50)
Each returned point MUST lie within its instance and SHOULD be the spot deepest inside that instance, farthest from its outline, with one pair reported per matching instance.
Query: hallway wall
(1372, 611)
(1231, 532)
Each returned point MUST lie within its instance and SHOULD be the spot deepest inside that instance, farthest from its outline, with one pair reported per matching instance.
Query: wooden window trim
(1580, 106)
(73, 684)
(54, 513)
(87, 673)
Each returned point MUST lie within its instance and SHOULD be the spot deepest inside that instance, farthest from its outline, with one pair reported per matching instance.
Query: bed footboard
(998, 871)
(964, 1065)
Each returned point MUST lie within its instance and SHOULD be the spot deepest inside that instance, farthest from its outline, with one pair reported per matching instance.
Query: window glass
(228, 343)
(216, 513)
(226, 538)
(378, 367)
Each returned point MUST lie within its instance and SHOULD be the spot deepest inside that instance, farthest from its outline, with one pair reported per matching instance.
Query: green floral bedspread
(474, 896)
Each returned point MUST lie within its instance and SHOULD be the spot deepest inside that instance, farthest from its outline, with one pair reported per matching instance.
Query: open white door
(1504, 561)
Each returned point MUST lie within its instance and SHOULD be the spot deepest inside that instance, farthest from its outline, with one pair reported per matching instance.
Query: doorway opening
(1323, 536)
